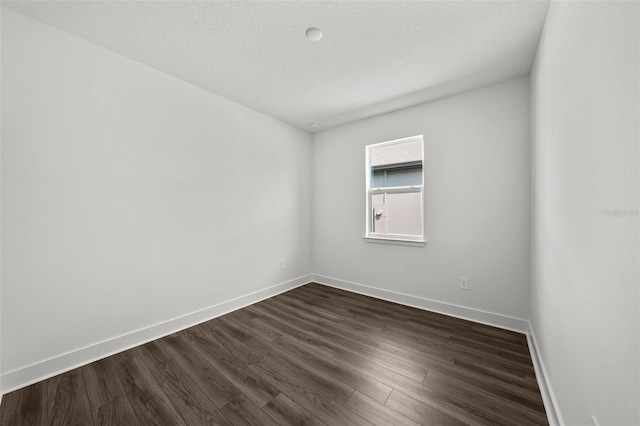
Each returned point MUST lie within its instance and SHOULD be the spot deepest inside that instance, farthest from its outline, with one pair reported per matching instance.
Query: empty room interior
(320, 212)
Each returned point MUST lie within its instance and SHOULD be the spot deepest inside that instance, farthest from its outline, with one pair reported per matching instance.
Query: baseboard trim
(548, 397)
(36, 372)
(463, 312)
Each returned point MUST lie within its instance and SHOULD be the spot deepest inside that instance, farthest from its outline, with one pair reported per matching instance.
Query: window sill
(396, 241)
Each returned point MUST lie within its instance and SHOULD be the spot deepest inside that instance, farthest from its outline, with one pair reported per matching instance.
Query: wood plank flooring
(312, 356)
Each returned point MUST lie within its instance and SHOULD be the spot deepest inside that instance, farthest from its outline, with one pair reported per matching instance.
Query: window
(394, 180)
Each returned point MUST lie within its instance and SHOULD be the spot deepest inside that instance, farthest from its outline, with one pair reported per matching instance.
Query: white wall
(477, 195)
(584, 297)
(130, 197)
(1, 9)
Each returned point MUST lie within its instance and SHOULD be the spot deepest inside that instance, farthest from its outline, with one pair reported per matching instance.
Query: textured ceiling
(374, 57)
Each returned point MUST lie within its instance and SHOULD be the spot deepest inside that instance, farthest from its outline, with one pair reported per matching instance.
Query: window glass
(395, 189)
(404, 177)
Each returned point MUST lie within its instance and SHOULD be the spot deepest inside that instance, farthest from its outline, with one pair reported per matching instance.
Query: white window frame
(413, 240)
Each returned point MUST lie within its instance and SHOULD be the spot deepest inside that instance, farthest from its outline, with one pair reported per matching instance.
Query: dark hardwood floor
(313, 355)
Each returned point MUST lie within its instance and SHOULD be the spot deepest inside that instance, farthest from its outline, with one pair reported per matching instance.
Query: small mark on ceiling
(313, 34)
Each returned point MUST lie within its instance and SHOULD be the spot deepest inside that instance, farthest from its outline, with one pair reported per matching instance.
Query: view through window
(395, 189)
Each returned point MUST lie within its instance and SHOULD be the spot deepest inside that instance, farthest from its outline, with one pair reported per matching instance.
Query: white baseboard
(36, 372)
(471, 314)
(548, 397)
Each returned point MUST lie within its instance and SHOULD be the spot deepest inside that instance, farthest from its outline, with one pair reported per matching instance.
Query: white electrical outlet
(283, 264)
(464, 283)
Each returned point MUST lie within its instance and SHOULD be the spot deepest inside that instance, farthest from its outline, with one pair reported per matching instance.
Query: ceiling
(373, 58)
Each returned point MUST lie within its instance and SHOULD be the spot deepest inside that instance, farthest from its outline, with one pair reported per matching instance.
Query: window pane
(398, 213)
(378, 179)
(399, 153)
(404, 177)
(379, 218)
